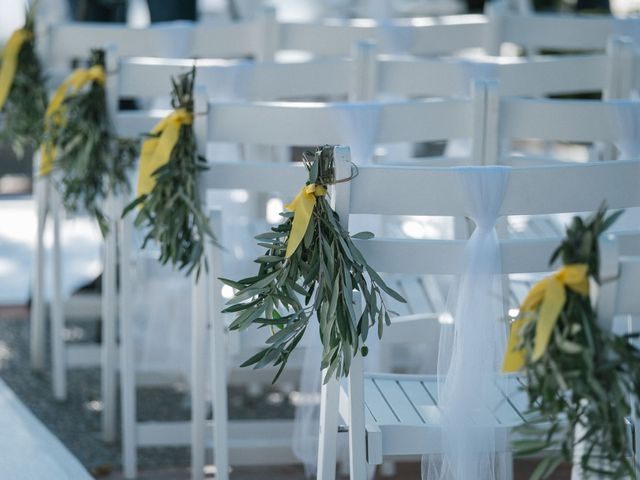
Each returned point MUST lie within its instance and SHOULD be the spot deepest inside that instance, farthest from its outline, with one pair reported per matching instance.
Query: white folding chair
(61, 44)
(617, 298)
(386, 414)
(288, 124)
(537, 31)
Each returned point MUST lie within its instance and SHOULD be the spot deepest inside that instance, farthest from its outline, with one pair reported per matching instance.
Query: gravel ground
(77, 421)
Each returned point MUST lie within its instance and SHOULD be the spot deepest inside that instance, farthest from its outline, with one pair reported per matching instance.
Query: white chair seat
(403, 418)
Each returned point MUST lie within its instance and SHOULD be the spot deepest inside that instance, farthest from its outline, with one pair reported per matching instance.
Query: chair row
(264, 37)
(367, 77)
(405, 121)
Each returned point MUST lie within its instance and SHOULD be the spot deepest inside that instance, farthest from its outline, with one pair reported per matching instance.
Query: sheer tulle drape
(472, 343)
(473, 70)
(627, 120)
(360, 123)
(628, 27)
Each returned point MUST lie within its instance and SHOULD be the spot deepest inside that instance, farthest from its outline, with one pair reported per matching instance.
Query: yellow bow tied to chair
(10, 61)
(547, 297)
(156, 150)
(72, 84)
(302, 208)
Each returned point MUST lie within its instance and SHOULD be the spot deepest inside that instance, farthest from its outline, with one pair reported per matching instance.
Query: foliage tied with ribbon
(23, 95)
(79, 142)
(579, 376)
(168, 197)
(311, 266)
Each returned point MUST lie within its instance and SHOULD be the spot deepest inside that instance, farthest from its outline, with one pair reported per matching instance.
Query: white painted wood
(251, 442)
(411, 77)
(269, 32)
(29, 450)
(327, 444)
(357, 437)
(127, 354)
(59, 373)
(217, 336)
(83, 355)
(406, 418)
(37, 330)
(199, 327)
(597, 182)
(568, 32)
(556, 120)
(109, 319)
(363, 72)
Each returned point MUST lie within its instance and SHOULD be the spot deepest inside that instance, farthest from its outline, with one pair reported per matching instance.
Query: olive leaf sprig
(171, 213)
(319, 277)
(579, 390)
(92, 160)
(22, 126)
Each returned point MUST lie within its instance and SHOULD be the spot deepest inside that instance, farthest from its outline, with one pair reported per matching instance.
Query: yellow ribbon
(72, 84)
(548, 295)
(156, 150)
(302, 208)
(10, 61)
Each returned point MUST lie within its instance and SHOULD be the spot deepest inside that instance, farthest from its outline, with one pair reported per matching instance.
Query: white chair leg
(109, 326)
(127, 356)
(217, 332)
(509, 466)
(58, 354)
(388, 469)
(198, 375)
(37, 331)
(357, 440)
(328, 429)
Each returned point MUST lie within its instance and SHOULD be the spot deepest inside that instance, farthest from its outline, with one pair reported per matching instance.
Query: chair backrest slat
(446, 257)
(558, 120)
(315, 124)
(553, 31)
(437, 191)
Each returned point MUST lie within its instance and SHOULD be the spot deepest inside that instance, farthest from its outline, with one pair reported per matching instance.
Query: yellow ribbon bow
(549, 296)
(10, 61)
(156, 150)
(74, 82)
(302, 208)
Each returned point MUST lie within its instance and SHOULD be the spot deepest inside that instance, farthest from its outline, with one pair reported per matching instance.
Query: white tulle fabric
(396, 39)
(472, 344)
(179, 43)
(628, 27)
(360, 123)
(627, 121)
(162, 314)
(473, 69)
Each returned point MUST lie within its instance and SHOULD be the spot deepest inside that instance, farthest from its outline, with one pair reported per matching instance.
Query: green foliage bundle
(580, 389)
(172, 212)
(93, 162)
(318, 278)
(23, 124)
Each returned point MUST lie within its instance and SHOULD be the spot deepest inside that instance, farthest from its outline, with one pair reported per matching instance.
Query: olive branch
(319, 278)
(172, 213)
(579, 390)
(23, 123)
(93, 162)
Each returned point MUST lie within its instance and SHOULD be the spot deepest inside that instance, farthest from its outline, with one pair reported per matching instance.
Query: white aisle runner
(28, 451)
